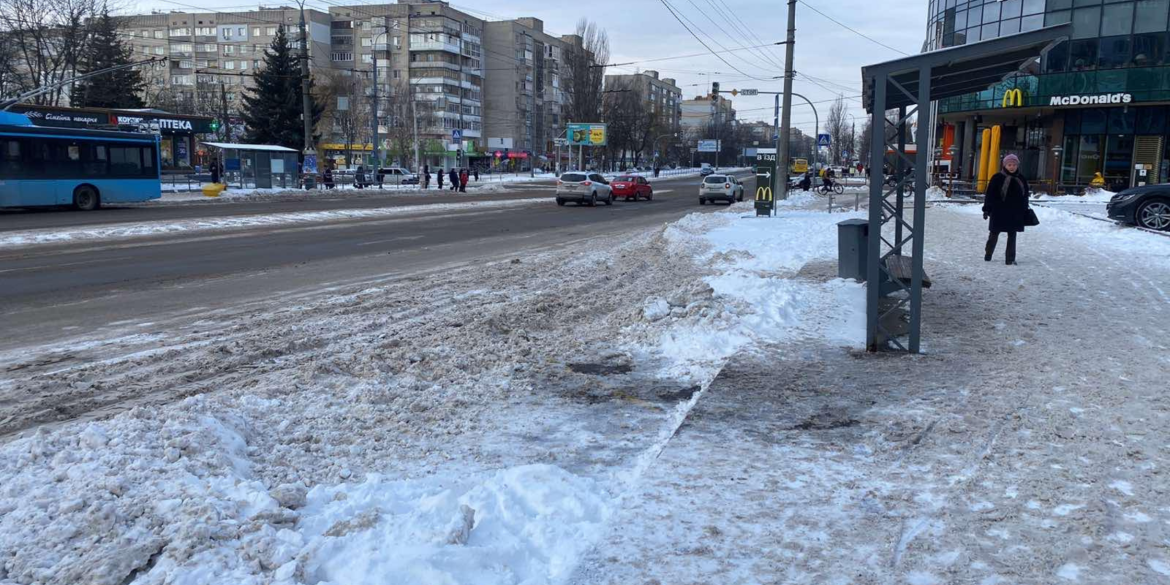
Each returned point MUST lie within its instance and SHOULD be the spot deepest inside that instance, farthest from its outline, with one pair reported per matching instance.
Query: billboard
(709, 146)
(585, 134)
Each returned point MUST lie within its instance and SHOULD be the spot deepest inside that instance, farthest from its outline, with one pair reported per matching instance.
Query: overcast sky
(645, 29)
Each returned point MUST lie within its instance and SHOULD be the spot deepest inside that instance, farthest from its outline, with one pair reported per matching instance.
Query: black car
(1147, 207)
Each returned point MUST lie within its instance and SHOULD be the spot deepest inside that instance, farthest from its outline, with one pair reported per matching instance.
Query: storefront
(179, 134)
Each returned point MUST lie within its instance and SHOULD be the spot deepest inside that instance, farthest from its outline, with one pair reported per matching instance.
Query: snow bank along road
(151, 270)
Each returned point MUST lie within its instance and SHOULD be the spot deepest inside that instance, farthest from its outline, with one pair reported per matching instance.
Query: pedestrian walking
(439, 179)
(476, 171)
(359, 178)
(1005, 204)
(463, 176)
(215, 171)
(454, 176)
(327, 177)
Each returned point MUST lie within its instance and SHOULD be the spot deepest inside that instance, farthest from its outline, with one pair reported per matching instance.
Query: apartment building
(524, 92)
(702, 112)
(212, 55)
(663, 97)
(430, 63)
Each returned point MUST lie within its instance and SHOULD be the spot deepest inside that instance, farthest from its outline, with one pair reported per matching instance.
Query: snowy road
(98, 279)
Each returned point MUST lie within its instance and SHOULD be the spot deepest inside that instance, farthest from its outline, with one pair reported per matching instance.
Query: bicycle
(833, 186)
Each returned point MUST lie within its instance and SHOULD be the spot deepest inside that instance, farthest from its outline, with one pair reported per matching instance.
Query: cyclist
(827, 179)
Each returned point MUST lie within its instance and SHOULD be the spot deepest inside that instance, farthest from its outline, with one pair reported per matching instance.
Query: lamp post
(374, 98)
(655, 145)
(1056, 164)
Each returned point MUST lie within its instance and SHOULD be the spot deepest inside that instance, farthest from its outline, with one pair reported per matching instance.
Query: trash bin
(852, 248)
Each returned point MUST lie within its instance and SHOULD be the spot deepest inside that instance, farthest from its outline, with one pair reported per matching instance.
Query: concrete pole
(786, 122)
(306, 101)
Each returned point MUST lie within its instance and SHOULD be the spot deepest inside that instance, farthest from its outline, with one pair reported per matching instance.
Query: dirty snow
(486, 435)
(144, 229)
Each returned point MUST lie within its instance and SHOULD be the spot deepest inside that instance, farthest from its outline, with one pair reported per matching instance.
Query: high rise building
(524, 91)
(705, 112)
(662, 96)
(1095, 103)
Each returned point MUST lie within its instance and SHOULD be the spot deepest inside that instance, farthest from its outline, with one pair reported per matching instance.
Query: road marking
(400, 238)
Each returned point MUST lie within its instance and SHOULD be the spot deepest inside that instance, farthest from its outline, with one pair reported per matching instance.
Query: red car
(632, 187)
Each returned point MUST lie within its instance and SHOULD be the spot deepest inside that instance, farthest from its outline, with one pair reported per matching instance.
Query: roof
(961, 70)
(255, 147)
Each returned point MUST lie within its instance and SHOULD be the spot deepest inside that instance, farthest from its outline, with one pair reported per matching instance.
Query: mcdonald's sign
(763, 193)
(1013, 98)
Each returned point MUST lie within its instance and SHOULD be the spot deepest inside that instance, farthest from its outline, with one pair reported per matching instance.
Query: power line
(709, 49)
(846, 27)
(766, 65)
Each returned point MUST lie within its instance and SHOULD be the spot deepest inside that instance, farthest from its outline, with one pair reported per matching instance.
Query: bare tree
(839, 130)
(585, 59)
(405, 110)
(49, 38)
(863, 140)
(346, 110)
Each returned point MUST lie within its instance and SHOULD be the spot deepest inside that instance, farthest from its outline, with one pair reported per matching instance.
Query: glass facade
(1118, 56)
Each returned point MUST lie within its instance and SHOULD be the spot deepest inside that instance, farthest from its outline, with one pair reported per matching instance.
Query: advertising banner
(586, 134)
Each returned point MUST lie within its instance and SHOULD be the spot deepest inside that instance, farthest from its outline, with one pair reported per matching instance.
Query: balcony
(434, 65)
(435, 46)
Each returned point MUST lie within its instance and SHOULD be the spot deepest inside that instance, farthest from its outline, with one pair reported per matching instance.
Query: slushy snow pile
(368, 437)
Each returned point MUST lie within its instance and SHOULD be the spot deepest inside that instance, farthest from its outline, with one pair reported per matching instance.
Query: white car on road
(720, 188)
(583, 188)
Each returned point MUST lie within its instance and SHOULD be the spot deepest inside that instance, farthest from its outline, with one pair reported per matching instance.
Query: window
(1117, 20)
(1151, 16)
(125, 161)
(241, 31)
(229, 49)
(367, 58)
(181, 48)
(342, 56)
(207, 31)
(1149, 49)
(180, 32)
(186, 64)
(1033, 7)
(10, 157)
(1083, 55)
(94, 160)
(271, 31)
(227, 33)
(181, 80)
(1114, 52)
(1011, 9)
(230, 65)
(255, 31)
(1086, 22)
(159, 50)
(158, 34)
(201, 63)
(243, 65)
(397, 74)
(367, 41)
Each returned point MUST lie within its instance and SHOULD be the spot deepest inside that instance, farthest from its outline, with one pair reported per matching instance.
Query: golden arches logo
(1013, 98)
(763, 193)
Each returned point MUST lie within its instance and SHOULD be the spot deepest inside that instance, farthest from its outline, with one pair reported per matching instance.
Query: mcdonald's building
(1098, 102)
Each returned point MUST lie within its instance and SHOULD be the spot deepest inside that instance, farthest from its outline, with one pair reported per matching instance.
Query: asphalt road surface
(54, 292)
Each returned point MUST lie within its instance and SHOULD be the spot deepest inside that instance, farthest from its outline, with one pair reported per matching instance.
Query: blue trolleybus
(85, 169)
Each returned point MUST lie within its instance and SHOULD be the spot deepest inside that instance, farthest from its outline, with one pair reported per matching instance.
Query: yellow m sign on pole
(1013, 98)
(763, 193)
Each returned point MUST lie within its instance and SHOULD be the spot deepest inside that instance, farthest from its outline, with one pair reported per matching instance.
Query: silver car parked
(583, 188)
(720, 188)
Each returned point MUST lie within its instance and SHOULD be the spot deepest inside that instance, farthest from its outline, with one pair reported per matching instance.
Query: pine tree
(272, 111)
(116, 89)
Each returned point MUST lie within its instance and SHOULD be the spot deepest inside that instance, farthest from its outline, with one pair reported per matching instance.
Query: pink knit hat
(1010, 158)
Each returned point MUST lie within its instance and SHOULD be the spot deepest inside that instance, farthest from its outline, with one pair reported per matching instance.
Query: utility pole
(462, 97)
(227, 124)
(786, 114)
(374, 93)
(310, 166)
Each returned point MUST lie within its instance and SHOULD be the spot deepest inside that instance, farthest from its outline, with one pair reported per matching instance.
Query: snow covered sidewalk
(1026, 446)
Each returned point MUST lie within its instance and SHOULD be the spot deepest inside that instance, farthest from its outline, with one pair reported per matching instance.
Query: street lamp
(374, 97)
(655, 145)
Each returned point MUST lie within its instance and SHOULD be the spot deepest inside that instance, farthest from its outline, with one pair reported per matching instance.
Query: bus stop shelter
(895, 92)
(258, 166)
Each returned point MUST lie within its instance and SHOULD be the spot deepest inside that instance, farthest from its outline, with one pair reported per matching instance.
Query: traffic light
(715, 88)
(215, 125)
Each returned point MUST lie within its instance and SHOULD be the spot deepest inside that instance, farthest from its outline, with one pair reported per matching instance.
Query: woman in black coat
(1005, 203)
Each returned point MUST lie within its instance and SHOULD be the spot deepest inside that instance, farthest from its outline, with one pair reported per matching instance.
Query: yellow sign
(337, 146)
(763, 193)
(597, 135)
(800, 165)
(1013, 98)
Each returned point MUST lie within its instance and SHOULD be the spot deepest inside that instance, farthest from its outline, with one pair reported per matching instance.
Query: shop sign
(1090, 100)
(1013, 97)
(163, 123)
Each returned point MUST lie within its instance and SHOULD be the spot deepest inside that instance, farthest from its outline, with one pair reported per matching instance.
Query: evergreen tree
(272, 110)
(117, 89)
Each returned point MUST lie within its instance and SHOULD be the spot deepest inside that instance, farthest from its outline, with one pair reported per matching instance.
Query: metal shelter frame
(909, 86)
